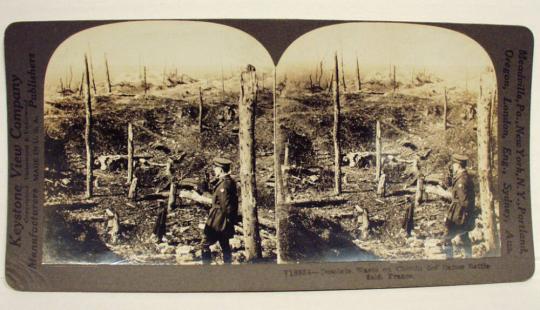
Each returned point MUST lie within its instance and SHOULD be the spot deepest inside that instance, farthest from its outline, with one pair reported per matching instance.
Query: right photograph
(385, 146)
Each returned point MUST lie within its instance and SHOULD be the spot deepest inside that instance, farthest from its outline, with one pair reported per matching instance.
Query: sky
(409, 47)
(201, 49)
(192, 47)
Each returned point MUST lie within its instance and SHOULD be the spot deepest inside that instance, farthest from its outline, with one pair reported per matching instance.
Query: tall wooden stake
(248, 186)
(92, 74)
(88, 134)
(445, 110)
(130, 153)
(358, 75)
(108, 75)
(378, 147)
(337, 125)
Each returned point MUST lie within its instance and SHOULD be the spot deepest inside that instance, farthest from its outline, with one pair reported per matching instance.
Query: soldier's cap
(222, 162)
(459, 158)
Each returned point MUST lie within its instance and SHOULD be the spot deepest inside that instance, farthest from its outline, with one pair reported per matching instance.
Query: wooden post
(378, 150)
(337, 124)
(381, 188)
(108, 75)
(358, 75)
(262, 82)
(144, 83)
(445, 110)
(172, 197)
(88, 134)
(310, 82)
(484, 137)
(330, 85)
(248, 186)
(343, 74)
(132, 193)
(200, 110)
(130, 154)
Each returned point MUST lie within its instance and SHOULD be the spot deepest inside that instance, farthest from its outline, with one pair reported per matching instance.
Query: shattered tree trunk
(108, 75)
(92, 74)
(358, 75)
(445, 110)
(378, 151)
(343, 75)
(337, 124)
(200, 110)
(282, 209)
(88, 133)
(248, 185)
(130, 153)
(484, 136)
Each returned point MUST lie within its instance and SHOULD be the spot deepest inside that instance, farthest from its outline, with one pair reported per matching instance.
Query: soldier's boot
(226, 248)
(467, 245)
(448, 249)
(206, 255)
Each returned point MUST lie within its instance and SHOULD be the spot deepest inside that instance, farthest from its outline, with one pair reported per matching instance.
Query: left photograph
(159, 146)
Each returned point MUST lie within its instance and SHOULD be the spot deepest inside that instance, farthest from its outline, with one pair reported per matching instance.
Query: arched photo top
(197, 49)
(377, 47)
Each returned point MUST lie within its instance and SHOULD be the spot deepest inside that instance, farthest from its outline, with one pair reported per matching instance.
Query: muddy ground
(165, 126)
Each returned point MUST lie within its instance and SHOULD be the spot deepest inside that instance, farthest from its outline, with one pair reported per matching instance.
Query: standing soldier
(461, 214)
(223, 214)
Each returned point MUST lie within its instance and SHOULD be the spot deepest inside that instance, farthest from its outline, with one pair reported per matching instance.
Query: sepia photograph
(182, 143)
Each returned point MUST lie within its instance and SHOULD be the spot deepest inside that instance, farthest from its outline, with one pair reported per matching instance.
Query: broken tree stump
(248, 187)
(160, 227)
(408, 221)
(362, 221)
(172, 197)
(418, 198)
(132, 193)
(381, 188)
(113, 226)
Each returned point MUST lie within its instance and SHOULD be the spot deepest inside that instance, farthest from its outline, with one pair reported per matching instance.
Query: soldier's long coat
(462, 211)
(224, 212)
